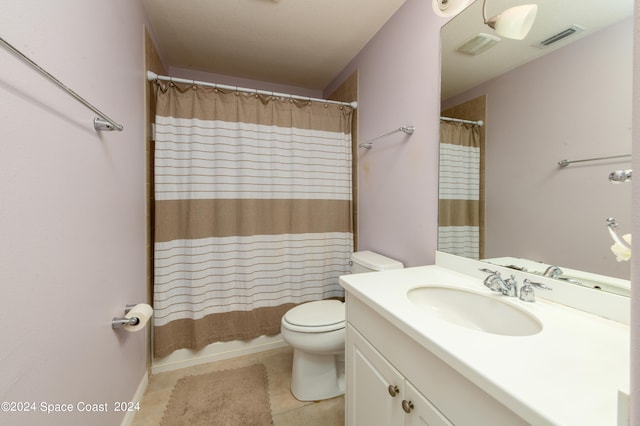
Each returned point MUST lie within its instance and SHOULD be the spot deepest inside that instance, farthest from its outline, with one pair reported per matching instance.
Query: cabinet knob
(407, 406)
(393, 390)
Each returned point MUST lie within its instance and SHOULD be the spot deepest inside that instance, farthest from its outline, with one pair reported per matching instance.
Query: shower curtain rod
(102, 122)
(151, 76)
(458, 120)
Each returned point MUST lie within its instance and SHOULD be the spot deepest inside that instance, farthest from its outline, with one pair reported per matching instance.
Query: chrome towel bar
(102, 122)
(565, 163)
(409, 130)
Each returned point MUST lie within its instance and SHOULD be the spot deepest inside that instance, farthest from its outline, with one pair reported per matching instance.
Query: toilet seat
(315, 317)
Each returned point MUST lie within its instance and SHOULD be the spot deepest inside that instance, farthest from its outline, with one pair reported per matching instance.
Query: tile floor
(285, 409)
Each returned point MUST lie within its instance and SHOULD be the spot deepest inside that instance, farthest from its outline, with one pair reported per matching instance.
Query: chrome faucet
(556, 273)
(494, 282)
(512, 287)
(553, 272)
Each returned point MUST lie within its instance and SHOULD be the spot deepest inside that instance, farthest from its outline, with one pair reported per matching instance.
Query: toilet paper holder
(118, 322)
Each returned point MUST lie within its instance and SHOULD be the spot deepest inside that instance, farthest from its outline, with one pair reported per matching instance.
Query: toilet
(316, 331)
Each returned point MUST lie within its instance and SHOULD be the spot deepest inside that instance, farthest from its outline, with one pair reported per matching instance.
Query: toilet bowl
(316, 331)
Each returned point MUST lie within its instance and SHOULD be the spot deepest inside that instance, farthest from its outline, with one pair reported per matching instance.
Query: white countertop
(568, 374)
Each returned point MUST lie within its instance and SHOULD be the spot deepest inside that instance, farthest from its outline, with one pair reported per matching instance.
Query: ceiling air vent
(572, 30)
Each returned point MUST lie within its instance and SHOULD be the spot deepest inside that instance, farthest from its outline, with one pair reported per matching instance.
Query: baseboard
(137, 397)
(215, 352)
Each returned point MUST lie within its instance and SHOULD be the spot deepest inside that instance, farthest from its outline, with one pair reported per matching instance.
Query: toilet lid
(316, 314)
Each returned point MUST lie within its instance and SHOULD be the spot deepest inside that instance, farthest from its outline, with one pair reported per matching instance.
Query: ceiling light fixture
(513, 23)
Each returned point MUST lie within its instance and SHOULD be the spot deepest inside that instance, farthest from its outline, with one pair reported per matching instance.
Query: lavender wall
(72, 209)
(399, 84)
(573, 103)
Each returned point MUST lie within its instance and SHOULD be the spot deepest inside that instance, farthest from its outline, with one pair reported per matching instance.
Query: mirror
(568, 98)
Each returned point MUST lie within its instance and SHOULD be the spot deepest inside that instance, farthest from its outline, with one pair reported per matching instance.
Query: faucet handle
(541, 286)
(553, 272)
(493, 281)
(527, 293)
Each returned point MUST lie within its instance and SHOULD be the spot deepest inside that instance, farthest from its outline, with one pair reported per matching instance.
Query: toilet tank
(368, 261)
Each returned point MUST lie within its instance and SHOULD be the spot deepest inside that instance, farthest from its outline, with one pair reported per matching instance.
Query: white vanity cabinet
(382, 361)
(378, 394)
(568, 372)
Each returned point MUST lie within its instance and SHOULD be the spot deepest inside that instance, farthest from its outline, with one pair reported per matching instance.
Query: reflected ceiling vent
(478, 44)
(572, 30)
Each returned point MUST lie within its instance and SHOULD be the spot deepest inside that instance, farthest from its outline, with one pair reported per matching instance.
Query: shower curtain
(252, 211)
(459, 190)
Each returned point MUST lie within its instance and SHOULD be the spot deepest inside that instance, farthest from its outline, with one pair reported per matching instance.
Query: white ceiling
(461, 72)
(303, 43)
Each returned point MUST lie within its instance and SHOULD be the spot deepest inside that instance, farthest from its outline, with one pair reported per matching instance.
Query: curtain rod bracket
(102, 124)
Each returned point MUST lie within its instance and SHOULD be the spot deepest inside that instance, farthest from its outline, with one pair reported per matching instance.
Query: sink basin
(475, 311)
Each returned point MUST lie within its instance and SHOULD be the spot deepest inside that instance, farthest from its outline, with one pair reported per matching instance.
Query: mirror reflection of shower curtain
(252, 212)
(459, 190)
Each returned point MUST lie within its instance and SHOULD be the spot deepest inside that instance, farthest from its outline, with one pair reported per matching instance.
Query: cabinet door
(421, 411)
(371, 385)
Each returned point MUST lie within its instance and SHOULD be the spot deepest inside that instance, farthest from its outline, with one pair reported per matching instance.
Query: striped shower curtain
(252, 212)
(459, 190)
